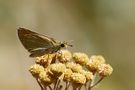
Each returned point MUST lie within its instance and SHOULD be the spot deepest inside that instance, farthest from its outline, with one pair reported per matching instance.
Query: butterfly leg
(60, 52)
(48, 59)
(47, 56)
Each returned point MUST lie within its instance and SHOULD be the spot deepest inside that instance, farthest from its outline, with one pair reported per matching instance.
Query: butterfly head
(65, 44)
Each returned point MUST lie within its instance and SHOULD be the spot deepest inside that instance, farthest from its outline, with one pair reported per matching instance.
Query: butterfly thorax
(58, 47)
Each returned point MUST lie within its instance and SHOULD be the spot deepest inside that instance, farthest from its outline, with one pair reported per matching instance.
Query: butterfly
(38, 44)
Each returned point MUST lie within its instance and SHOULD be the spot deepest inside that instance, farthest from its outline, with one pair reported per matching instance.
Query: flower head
(94, 62)
(105, 70)
(45, 60)
(36, 69)
(64, 56)
(80, 58)
(87, 74)
(45, 78)
(56, 70)
(75, 70)
(78, 78)
(67, 75)
(74, 67)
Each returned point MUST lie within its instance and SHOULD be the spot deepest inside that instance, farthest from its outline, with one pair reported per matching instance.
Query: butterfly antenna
(68, 44)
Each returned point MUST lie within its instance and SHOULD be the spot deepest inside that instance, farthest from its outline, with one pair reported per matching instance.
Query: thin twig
(50, 87)
(60, 87)
(45, 88)
(74, 88)
(40, 84)
(89, 86)
(68, 86)
(79, 88)
(92, 81)
(97, 82)
(86, 85)
(57, 85)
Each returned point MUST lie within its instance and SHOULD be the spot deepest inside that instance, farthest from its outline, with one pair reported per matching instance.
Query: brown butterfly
(38, 44)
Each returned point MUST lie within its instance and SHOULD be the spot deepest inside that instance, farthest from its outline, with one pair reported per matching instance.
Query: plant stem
(50, 87)
(67, 85)
(92, 81)
(40, 84)
(97, 82)
(57, 85)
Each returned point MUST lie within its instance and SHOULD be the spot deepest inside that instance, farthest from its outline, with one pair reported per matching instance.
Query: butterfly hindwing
(39, 52)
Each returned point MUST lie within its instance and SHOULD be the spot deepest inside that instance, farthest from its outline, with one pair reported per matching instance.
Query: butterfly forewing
(35, 42)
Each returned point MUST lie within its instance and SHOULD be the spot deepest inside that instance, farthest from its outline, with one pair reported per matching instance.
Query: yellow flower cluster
(75, 69)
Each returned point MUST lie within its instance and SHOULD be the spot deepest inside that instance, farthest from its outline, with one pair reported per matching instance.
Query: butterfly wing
(33, 41)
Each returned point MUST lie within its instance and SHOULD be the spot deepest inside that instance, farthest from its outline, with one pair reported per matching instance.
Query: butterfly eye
(62, 45)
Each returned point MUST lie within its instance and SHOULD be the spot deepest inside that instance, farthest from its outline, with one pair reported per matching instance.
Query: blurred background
(105, 27)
